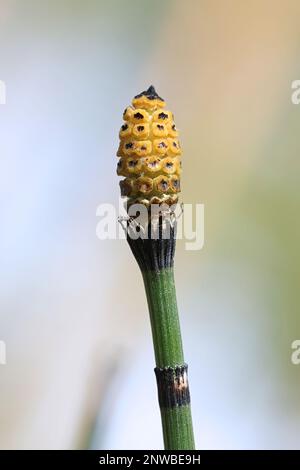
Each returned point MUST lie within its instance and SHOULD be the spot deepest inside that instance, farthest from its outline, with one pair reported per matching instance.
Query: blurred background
(73, 312)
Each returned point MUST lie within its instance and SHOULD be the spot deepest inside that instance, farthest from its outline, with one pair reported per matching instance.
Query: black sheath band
(173, 386)
(155, 252)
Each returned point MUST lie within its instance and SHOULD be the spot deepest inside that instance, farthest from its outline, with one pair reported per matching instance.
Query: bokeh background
(79, 370)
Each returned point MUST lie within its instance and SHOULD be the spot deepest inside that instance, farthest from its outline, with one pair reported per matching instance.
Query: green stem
(161, 296)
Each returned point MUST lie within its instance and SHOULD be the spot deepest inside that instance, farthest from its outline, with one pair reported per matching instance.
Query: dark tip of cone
(151, 90)
(150, 93)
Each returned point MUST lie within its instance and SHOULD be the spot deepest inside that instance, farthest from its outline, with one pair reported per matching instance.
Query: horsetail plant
(150, 161)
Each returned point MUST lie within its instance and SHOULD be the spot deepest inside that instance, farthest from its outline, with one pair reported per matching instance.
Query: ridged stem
(161, 297)
(162, 303)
